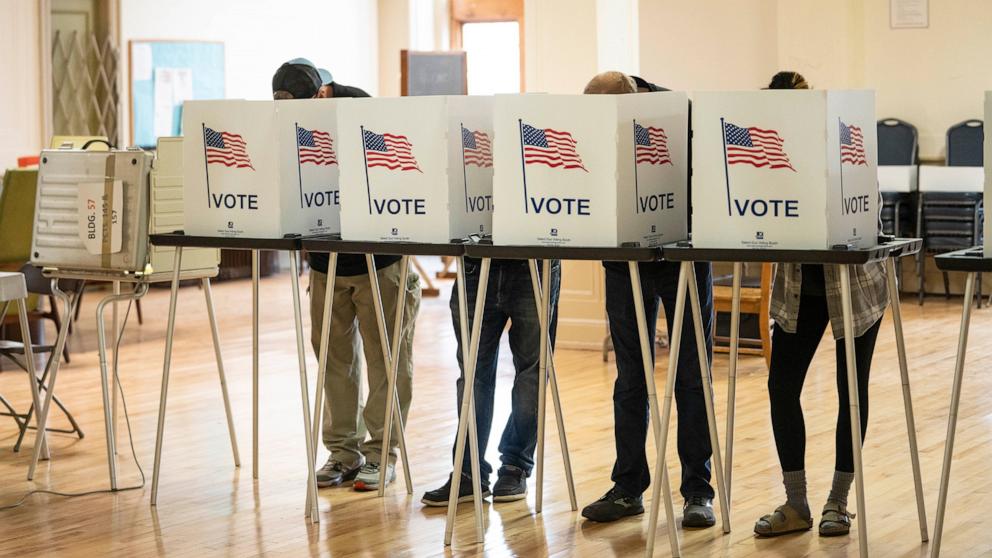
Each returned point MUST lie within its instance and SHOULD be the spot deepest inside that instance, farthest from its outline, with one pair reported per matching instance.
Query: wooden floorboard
(208, 508)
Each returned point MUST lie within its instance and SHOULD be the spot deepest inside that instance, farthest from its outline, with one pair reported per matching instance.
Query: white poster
(173, 86)
(909, 14)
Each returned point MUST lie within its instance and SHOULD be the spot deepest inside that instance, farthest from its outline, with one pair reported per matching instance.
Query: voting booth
(261, 169)
(590, 170)
(784, 169)
(900, 179)
(935, 178)
(416, 169)
(988, 175)
(95, 209)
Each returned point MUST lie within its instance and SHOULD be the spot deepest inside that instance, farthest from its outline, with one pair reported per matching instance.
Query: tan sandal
(783, 521)
(835, 520)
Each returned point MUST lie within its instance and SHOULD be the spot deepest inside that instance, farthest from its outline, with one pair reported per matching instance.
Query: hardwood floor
(207, 507)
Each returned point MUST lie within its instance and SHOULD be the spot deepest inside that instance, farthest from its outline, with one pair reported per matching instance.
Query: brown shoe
(784, 520)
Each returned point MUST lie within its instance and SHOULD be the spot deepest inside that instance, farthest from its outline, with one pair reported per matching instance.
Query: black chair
(898, 145)
(965, 142)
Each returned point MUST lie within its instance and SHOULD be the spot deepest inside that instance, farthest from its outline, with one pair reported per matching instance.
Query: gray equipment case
(77, 228)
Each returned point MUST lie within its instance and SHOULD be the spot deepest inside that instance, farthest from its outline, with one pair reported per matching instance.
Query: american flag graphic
(651, 145)
(225, 148)
(315, 147)
(390, 151)
(550, 147)
(852, 145)
(755, 146)
(477, 148)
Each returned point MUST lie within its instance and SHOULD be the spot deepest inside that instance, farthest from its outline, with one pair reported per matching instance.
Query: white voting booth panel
(935, 178)
(898, 178)
(784, 169)
(988, 175)
(590, 170)
(261, 169)
(416, 169)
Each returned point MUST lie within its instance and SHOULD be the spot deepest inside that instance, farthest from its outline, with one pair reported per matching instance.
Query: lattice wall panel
(84, 85)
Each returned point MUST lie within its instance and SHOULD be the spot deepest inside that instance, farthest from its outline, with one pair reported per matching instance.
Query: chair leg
(921, 271)
(79, 300)
(766, 336)
(979, 291)
(947, 286)
(137, 307)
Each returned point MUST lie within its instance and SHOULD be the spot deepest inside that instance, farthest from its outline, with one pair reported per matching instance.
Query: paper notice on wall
(909, 14)
(141, 62)
(173, 86)
(99, 216)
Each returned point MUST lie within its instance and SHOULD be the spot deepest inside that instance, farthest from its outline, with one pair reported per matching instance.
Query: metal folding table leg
(22, 315)
(542, 369)
(390, 356)
(735, 335)
(115, 386)
(555, 396)
(56, 360)
(325, 335)
(466, 418)
(907, 397)
(220, 370)
(254, 363)
(952, 416)
(170, 330)
(661, 487)
(704, 370)
(304, 390)
(852, 389)
(108, 380)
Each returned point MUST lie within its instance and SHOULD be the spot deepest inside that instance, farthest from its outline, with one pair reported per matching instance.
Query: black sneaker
(614, 505)
(697, 512)
(334, 473)
(511, 484)
(439, 497)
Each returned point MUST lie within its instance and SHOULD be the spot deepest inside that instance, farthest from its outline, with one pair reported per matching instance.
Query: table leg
(907, 397)
(390, 357)
(115, 386)
(952, 416)
(704, 370)
(542, 367)
(22, 315)
(215, 335)
(555, 396)
(170, 330)
(304, 391)
(661, 488)
(735, 335)
(855, 413)
(325, 335)
(254, 363)
(55, 361)
(465, 418)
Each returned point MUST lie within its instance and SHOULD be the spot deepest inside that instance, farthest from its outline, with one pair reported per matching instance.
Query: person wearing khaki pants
(345, 422)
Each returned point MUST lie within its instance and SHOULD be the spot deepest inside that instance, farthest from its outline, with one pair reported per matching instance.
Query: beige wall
(559, 45)
(394, 36)
(20, 82)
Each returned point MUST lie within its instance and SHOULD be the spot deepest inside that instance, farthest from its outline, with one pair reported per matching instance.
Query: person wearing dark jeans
(509, 298)
(631, 475)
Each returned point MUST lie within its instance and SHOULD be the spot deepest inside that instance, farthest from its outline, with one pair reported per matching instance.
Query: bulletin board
(433, 73)
(162, 75)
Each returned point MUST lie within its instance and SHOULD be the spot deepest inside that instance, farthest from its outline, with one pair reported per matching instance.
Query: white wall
(259, 35)
(20, 82)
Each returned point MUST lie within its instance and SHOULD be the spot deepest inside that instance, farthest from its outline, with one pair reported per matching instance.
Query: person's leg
(520, 434)
(792, 354)
(630, 475)
(342, 427)
(375, 406)
(493, 322)
(864, 348)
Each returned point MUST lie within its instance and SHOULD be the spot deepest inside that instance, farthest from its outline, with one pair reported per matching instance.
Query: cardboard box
(784, 169)
(935, 178)
(416, 169)
(898, 178)
(261, 169)
(591, 170)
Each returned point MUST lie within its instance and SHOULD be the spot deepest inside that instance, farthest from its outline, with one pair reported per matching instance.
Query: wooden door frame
(486, 11)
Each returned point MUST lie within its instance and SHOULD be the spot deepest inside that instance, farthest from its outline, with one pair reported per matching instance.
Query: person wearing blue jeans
(509, 298)
(631, 475)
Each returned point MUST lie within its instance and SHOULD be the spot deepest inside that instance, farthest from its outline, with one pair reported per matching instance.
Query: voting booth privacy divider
(784, 169)
(987, 250)
(590, 170)
(903, 179)
(260, 169)
(416, 169)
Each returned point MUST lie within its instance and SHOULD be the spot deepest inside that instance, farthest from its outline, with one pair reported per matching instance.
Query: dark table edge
(897, 248)
(968, 259)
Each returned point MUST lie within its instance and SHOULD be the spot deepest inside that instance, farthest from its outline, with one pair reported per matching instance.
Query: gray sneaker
(368, 477)
(335, 473)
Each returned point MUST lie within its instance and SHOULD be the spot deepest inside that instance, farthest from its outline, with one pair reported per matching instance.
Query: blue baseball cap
(303, 61)
(325, 77)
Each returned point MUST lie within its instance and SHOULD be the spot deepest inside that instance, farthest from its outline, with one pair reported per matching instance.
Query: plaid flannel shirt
(869, 296)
